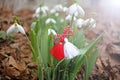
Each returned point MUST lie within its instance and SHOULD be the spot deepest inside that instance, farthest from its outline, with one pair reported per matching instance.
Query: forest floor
(15, 53)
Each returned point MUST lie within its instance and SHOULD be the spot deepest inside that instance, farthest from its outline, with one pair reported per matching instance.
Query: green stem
(71, 24)
(30, 46)
(86, 72)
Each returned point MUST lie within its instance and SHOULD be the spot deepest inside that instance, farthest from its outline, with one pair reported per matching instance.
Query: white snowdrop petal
(52, 11)
(37, 10)
(56, 14)
(80, 10)
(47, 21)
(50, 20)
(51, 31)
(69, 18)
(59, 7)
(44, 9)
(94, 25)
(53, 21)
(20, 28)
(76, 13)
(36, 15)
(72, 9)
(92, 20)
(79, 22)
(11, 29)
(65, 9)
(86, 21)
(76, 10)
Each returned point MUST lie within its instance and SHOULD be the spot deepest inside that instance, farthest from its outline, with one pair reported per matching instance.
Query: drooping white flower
(79, 22)
(37, 11)
(59, 7)
(86, 22)
(65, 9)
(69, 18)
(15, 28)
(36, 15)
(94, 25)
(90, 22)
(52, 11)
(76, 10)
(42, 9)
(56, 14)
(70, 50)
(51, 31)
(50, 20)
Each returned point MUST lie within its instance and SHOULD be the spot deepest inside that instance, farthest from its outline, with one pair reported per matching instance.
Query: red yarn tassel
(58, 51)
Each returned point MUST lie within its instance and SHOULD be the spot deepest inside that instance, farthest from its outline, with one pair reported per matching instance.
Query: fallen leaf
(13, 63)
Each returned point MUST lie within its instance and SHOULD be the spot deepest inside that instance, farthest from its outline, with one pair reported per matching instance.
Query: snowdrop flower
(42, 10)
(69, 18)
(37, 10)
(52, 11)
(79, 22)
(65, 9)
(51, 31)
(59, 7)
(35, 15)
(50, 20)
(70, 50)
(86, 22)
(90, 22)
(76, 10)
(56, 14)
(15, 28)
(94, 25)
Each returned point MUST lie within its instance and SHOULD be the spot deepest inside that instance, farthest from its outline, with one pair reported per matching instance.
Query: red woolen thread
(68, 31)
(57, 50)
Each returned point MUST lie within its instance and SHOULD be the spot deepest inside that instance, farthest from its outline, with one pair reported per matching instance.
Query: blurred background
(105, 12)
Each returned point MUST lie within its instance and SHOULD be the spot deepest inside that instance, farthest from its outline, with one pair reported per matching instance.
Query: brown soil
(16, 57)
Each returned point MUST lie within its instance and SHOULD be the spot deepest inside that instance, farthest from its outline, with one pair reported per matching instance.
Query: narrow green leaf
(91, 63)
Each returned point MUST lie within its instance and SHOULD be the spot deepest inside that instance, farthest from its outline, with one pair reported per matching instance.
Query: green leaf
(78, 39)
(55, 69)
(79, 60)
(44, 46)
(90, 64)
(33, 25)
(3, 35)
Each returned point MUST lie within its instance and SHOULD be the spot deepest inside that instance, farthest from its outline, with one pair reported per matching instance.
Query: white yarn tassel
(70, 50)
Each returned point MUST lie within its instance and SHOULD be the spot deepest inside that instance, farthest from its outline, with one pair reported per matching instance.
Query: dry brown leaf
(15, 64)
(32, 65)
(99, 65)
(12, 72)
